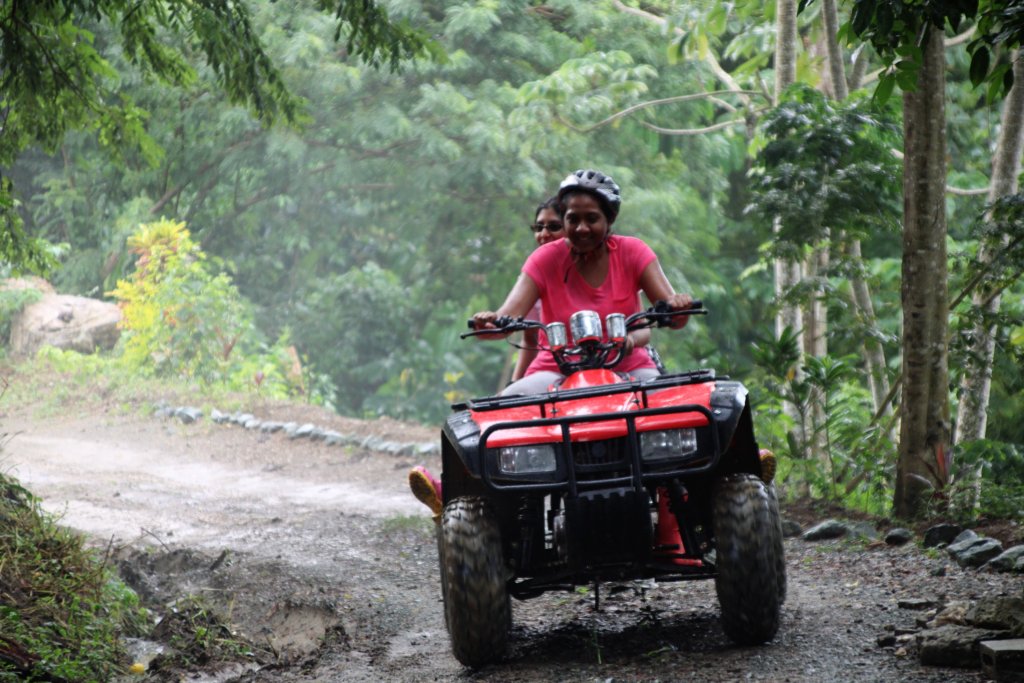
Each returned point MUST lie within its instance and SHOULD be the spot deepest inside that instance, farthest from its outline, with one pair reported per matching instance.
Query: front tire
(751, 566)
(473, 580)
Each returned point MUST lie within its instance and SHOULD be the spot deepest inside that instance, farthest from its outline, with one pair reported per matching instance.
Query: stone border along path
(294, 430)
(963, 545)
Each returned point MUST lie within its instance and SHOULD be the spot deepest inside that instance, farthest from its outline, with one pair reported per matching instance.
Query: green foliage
(11, 303)
(182, 320)
(197, 634)
(858, 466)
(19, 251)
(373, 37)
(58, 77)
(1000, 232)
(996, 469)
(825, 167)
(894, 28)
(57, 80)
(62, 612)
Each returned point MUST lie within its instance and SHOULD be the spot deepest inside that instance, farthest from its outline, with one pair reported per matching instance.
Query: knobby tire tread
(473, 576)
(751, 566)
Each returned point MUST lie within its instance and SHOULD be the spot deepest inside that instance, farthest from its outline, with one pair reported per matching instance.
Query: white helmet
(595, 183)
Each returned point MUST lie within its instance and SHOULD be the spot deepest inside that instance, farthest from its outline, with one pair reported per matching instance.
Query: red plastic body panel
(625, 401)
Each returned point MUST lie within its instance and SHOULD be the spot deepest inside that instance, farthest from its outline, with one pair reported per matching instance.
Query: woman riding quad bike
(594, 467)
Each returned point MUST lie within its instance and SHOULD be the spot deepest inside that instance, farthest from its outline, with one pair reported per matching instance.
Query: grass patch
(62, 611)
(57, 382)
(196, 635)
(400, 524)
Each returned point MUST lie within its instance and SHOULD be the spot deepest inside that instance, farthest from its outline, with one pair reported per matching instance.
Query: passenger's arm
(526, 354)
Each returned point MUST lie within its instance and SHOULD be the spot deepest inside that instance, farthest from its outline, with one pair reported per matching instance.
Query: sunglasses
(553, 226)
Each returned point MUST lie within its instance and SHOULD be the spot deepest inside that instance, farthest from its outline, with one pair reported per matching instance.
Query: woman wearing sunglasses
(546, 227)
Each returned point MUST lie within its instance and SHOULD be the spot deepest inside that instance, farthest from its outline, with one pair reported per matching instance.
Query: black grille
(600, 456)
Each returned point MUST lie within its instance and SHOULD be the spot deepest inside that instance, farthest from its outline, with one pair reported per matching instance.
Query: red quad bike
(605, 478)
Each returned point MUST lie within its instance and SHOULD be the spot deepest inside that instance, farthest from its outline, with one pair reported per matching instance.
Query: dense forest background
(362, 230)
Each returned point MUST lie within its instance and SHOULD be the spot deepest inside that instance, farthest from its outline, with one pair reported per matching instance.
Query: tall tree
(924, 458)
(910, 40)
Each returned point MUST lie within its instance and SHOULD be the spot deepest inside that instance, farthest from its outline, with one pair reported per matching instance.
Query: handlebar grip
(661, 306)
(499, 323)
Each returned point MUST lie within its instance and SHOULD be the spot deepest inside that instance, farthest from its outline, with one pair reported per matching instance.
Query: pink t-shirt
(563, 291)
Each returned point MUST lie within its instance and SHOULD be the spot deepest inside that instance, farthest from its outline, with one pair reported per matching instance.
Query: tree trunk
(836, 70)
(923, 465)
(785, 46)
(874, 354)
(787, 273)
(977, 378)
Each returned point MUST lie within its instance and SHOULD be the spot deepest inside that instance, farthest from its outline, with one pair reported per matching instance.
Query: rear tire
(477, 610)
(751, 565)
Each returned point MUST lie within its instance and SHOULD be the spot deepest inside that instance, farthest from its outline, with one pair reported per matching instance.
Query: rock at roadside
(71, 323)
(998, 613)
(188, 415)
(941, 534)
(953, 645)
(964, 536)
(975, 552)
(828, 529)
(1011, 559)
(899, 536)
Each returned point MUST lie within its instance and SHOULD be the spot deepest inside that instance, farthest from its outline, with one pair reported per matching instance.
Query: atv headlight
(533, 459)
(668, 443)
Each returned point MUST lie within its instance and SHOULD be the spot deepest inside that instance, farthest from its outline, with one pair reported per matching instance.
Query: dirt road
(319, 557)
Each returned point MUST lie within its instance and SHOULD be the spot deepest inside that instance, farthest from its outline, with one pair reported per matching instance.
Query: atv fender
(730, 407)
(460, 457)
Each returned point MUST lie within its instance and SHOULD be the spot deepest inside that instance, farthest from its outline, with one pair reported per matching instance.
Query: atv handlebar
(660, 313)
(657, 315)
(590, 353)
(503, 325)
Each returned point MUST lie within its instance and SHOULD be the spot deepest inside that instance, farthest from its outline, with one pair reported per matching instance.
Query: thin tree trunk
(977, 378)
(785, 46)
(830, 15)
(788, 273)
(923, 465)
(874, 354)
(815, 338)
(976, 382)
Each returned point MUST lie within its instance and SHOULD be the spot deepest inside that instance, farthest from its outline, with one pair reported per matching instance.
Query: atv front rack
(643, 386)
(640, 475)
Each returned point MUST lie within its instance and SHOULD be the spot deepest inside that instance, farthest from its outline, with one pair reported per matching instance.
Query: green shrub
(11, 303)
(62, 612)
(182, 319)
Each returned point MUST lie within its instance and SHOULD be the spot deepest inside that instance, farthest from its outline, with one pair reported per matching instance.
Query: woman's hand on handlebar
(486, 320)
(679, 302)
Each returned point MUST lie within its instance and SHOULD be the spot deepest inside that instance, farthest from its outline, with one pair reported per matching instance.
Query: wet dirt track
(319, 556)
